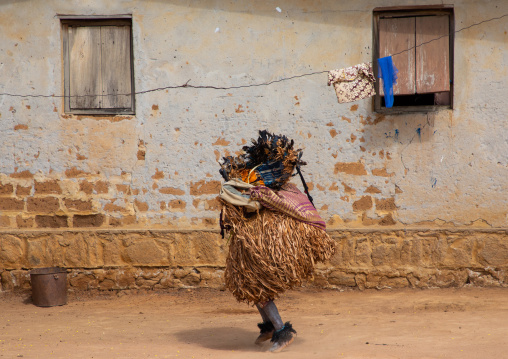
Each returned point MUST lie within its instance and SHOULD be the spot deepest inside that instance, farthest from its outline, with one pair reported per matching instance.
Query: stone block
(80, 250)
(107, 279)
(216, 280)
(12, 204)
(107, 284)
(205, 248)
(78, 204)
(11, 252)
(494, 251)
(449, 278)
(88, 221)
(206, 273)
(47, 187)
(110, 207)
(180, 273)
(192, 279)
(411, 252)
(51, 221)
(22, 222)
(141, 206)
(385, 254)
(149, 273)
(363, 204)
(166, 281)
(125, 279)
(74, 251)
(169, 282)
(7, 281)
(23, 191)
(83, 281)
(363, 252)
(21, 279)
(54, 249)
(319, 279)
(99, 274)
(93, 251)
(459, 253)
(426, 278)
(43, 204)
(387, 282)
(37, 253)
(483, 279)
(183, 250)
(372, 280)
(112, 252)
(101, 187)
(121, 220)
(385, 204)
(387, 220)
(145, 283)
(341, 279)
(145, 252)
(344, 252)
(6, 189)
(86, 187)
(431, 250)
(5, 221)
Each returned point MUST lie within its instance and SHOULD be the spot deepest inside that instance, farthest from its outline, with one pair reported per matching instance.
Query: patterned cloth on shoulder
(288, 200)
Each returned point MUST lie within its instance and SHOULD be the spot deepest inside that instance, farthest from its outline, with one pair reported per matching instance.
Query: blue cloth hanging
(388, 72)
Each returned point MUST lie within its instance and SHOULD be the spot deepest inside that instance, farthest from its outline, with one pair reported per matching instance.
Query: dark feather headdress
(272, 156)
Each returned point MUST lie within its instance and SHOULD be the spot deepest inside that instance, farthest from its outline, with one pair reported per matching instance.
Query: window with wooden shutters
(98, 75)
(420, 41)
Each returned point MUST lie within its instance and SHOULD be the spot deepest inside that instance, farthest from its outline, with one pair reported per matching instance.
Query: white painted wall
(454, 173)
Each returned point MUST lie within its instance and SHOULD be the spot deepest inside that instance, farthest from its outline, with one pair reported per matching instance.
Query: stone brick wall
(76, 199)
(122, 259)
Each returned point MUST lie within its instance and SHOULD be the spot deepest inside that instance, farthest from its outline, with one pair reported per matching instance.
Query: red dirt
(468, 323)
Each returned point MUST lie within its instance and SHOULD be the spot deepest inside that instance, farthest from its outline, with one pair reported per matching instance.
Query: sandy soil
(446, 323)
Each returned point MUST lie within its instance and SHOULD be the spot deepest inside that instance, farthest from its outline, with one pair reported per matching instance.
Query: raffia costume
(275, 234)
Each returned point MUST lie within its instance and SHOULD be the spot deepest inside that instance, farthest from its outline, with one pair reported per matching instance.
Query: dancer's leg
(262, 312)
(272, 313)
(283, 334)
(266, 328)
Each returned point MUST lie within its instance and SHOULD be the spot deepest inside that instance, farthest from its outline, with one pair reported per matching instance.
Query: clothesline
(268, 83)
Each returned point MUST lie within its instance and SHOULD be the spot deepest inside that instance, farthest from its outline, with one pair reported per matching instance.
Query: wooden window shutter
(396, 35)
(100, 68)
(433, 58)
(85, 67)
(116, 66)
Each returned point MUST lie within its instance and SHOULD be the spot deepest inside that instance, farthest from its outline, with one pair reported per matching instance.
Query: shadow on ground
(221, 338)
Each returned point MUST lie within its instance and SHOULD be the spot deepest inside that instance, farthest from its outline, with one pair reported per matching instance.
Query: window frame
(88, 21)
(411, 11)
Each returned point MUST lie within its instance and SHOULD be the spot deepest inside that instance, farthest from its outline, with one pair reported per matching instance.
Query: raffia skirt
(270, 252)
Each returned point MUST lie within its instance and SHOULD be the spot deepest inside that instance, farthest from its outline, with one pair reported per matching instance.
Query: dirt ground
(468, 323)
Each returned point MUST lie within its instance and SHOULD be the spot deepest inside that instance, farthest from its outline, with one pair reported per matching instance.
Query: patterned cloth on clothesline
(353, 83)
(288, 200)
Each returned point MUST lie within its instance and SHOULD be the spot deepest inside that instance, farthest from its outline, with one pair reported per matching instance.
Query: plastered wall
(158, 168)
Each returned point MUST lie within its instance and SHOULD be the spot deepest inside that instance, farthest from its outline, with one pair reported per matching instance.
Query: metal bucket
(49, 286)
